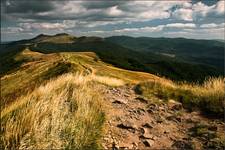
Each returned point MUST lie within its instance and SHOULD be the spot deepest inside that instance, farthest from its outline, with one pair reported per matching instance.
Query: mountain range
(175, 58)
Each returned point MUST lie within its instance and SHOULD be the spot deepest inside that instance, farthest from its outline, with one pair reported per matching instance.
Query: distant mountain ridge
(210, 52)
(151, 55)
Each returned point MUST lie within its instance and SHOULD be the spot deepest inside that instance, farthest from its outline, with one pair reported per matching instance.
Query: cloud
(199, 11)
(114, 11)
(23, 6)
(128, 11)
(104, 10)
(212, 25)
(149, 29)
(150, 15)
(143, 29)
(12, 30)
(183, 14)
(42, 26)
(181, 25)
(220, 7)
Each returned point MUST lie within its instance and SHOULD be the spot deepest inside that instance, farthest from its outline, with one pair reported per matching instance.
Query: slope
(36, 68)
(209, 52)
(75, 100)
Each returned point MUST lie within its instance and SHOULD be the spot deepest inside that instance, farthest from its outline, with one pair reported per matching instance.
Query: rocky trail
(134, 122)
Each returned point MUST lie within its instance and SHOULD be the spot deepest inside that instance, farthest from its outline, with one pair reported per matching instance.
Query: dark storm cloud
(16, 10)
(102, 4)
(43, 10)
(26, 6)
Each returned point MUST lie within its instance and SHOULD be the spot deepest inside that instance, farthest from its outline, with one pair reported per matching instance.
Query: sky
(22, 19)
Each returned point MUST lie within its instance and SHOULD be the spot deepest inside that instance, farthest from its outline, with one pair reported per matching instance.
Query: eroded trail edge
(134, 122)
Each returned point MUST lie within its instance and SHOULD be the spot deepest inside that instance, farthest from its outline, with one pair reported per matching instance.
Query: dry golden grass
(103, 69)
(64, 113)
(212, 86)
(110, 81)
(209, 96)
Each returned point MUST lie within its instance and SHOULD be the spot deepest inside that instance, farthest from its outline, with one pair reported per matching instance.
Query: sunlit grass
(108, 80)
(64, 113)
(209, 96)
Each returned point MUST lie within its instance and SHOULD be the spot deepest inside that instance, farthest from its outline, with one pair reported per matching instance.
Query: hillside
(161, 64)
(75, 100)
(209, 52)
(35, 68)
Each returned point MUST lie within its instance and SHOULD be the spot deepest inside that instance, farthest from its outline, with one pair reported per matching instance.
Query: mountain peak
(62, 34)
(41, 36)
(57, 38)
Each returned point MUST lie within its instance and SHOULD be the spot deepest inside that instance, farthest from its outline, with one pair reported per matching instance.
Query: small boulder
(147, 125)
(146, 135)
(174, 105)
(148, 142)
(128, 126)
(153, 107)
(119, 101)
(174, 118)
(140, 111)
(142, 100)
(150, 111)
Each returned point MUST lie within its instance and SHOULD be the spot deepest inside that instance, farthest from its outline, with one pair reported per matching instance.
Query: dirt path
(137, 123)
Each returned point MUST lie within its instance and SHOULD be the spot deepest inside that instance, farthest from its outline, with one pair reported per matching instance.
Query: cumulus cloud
(199, 11)
(220, 7)
(104, 10)
(183, 14)
(109, 11)
(114, 11)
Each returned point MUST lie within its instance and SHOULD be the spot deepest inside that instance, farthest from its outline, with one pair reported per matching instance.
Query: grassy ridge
(39, 68)
(34, 70)
(126, 58)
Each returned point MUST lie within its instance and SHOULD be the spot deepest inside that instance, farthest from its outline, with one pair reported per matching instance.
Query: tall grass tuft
(66, 113)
